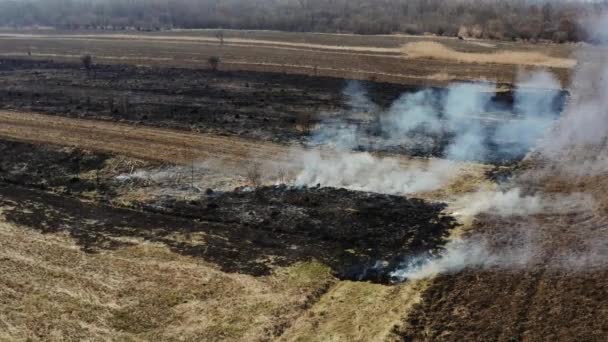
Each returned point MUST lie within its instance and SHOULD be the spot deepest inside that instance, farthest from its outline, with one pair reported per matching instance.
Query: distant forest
(494, 19)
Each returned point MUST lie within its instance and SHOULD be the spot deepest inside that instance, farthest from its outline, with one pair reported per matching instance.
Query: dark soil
(502, 305)
(64, 170)
(545, 300)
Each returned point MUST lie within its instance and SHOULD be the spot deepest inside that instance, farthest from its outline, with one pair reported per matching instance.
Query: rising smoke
(462, 253)
(466, 116)
(517, 245)
(479, 128)
(572, 146)
(365, 172)
(585, 119)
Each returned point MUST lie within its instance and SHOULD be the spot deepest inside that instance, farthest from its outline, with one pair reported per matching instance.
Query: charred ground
(66, 191)
(247, 230)
(269, 106)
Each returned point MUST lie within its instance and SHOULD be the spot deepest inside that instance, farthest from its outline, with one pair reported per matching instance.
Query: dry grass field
(396, 59)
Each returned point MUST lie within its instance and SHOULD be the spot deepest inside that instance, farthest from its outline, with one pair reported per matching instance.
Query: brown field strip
(393, 59)
(141, 142)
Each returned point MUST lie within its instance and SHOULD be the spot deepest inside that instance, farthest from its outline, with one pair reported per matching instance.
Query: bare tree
(220, 36)
(87, 62)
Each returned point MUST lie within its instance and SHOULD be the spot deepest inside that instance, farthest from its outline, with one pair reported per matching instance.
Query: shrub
(254, 175)
(214, 62)
(87, 61)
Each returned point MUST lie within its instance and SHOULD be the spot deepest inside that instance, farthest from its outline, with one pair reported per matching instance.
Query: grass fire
(197, 179)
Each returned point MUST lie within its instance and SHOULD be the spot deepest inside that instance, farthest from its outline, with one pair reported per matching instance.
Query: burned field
(553, 287)
(245, 231)
(268, 106)
(362, 236)
(129, 182)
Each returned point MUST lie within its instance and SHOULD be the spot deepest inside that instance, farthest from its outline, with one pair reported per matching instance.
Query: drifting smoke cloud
(585, 119)
(514, 202)
(508, 203)
(583, 124)
(177, 180)
(421, 121)
(460, 254)
(357, 99)
(466, 111)
(364, 172)
(523, 245)
(535, 98)
(479, 128)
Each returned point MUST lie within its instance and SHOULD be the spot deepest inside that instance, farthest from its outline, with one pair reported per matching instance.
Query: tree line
(555, 20)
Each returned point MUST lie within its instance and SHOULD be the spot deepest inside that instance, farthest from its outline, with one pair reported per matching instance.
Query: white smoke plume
(357, 99)
(177, 180)
(507, 203)
(584, 124)
(365, 172)
(524, 241)
(462, 253)
(513, 202)
(416, 120)
(466, 111)
(535, 97)
(585, 119)
(463, 109)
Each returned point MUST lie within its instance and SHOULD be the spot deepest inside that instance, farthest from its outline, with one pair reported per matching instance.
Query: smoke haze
(475, 127)
(572, 146)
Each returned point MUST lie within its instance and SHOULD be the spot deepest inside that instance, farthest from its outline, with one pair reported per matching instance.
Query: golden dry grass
(51, 291)
(355, 311)
(136, 141)
(437, 50)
